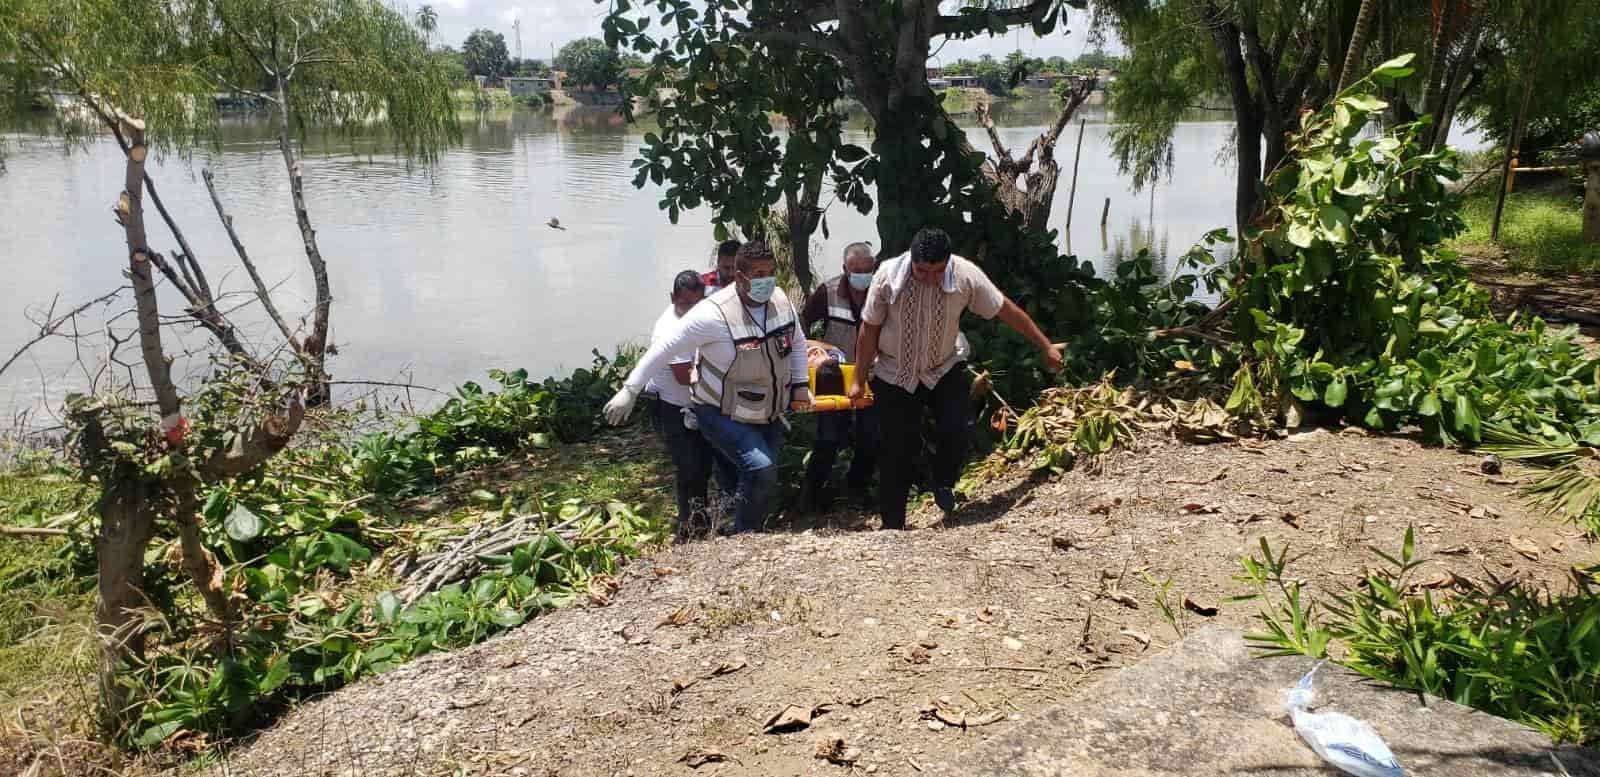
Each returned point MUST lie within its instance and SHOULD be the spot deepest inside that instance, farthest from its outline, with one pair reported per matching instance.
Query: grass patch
(1540, 231)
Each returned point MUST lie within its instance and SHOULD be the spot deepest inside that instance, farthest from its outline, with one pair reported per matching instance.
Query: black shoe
(945, 499)
(899, 525)
(812, 501)
(732, 530)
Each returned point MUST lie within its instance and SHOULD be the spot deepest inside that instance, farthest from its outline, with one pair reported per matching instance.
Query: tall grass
(1540, 231)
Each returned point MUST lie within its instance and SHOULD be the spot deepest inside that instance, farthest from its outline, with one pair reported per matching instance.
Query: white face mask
(761, 289)
(860, 280)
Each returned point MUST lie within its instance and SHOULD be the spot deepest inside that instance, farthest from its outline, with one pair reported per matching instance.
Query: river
(441, 273)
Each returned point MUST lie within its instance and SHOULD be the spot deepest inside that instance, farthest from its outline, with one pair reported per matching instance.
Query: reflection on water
(440, 273)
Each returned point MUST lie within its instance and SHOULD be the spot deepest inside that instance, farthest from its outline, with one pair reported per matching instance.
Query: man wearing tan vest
(909, 334)
(835, 308)
(749, 369)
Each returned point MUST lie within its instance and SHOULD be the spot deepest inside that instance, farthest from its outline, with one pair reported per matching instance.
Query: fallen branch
(30, 531)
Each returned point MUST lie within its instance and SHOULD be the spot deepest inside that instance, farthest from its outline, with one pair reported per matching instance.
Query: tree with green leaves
(590, 62)
(729, 65)
(428, 22)
(147, 73)
(484, 53)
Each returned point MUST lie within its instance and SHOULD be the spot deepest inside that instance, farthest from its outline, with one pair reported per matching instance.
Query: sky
(547, 23)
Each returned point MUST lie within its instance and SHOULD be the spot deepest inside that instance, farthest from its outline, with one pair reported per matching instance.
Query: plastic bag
(1349, 744)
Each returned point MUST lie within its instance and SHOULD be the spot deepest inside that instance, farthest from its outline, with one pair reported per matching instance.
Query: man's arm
(1017, 318)
(694, 330)
(799, 375)
(866, 354)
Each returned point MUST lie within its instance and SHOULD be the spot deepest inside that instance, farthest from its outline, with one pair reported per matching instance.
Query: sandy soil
(1029, 592)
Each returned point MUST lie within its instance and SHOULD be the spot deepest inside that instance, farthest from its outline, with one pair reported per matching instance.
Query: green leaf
(1466, 420)
(1335, 222)
(1429, 407)
(1364, 102)
(242, 525)
(387, 607)
(506, 617)
(276, 675)
(155, 735)
(1300, 235)
(1394, 69)
(1334, 395)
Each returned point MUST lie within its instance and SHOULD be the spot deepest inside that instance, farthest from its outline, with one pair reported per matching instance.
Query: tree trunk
(316, 343)
(1034, 202)
(1358, 45)
(125, 529)
(1591, 202)
(1247, 114)
(1444, 30)
(802, 216)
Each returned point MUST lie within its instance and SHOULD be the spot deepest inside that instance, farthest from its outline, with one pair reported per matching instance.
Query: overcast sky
(555, 22)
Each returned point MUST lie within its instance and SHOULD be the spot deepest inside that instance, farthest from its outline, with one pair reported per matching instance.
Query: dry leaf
(1199, 608)
(1138, 636)
(1195, 508)
(1438, 580)
(791, 718)
(663, 571)
(1482, 511)
(1456, 550)
(1120, 598)
(917, 654)
(986, 614)
(1558, 546)
(729, 667)
(986, 718)
(1524, 546)
(1105, 507)
(701, 756)
(678, 617)
(679, 686)
(835, 751)
(947, 621)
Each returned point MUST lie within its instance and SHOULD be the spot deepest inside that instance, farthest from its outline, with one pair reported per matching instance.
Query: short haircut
(728, 248)
(930, 245)
(688, 280)
(752, 252)
(860, 244)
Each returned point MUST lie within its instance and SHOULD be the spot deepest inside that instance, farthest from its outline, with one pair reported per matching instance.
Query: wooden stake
(1105, 212)
(1072, 194)
(1509, 173)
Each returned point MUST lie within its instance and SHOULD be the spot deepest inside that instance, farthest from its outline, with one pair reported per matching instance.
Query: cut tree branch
(249, 266)
(130, 214)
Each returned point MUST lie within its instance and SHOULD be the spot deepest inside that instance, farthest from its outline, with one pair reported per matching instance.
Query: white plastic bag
(1349, 744)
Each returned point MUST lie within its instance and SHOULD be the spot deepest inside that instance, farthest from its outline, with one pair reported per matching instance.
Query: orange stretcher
(828, 403)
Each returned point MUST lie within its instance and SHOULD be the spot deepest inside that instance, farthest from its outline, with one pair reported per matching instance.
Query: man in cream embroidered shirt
(922, 340)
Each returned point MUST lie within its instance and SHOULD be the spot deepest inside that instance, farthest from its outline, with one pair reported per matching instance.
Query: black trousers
(900, 424)
(835, 430)
(695, 463)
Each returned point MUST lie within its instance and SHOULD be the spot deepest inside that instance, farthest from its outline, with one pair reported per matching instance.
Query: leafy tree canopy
(485, 54)
(590, 62)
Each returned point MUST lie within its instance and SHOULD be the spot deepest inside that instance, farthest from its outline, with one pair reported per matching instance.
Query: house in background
(522, 86)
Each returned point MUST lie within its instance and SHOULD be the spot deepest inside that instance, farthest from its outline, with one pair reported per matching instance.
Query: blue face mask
(761, 289)
(860, 280)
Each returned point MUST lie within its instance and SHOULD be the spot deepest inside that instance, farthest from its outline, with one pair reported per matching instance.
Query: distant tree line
(1000, 76)
(588, 62)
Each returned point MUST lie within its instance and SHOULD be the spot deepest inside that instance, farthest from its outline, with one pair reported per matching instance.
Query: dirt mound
(910, 647)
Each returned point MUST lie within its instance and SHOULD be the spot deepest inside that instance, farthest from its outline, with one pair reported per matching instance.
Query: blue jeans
(753, 449)
(695, 463)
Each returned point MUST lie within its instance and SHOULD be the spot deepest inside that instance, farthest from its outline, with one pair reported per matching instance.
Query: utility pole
(516, 24)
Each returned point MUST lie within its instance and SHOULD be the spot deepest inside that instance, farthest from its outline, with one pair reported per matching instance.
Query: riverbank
(1541, 229)
(1035, 588)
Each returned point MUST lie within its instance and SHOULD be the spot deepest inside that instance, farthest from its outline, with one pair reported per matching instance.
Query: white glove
(620, 406)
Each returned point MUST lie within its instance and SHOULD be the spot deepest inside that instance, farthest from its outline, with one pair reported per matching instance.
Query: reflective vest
(755, 387)
(840, 327)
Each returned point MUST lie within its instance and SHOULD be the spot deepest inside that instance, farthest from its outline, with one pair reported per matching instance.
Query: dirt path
(1561, 298)
(988, 613)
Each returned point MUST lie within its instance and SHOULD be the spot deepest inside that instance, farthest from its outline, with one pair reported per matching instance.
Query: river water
(441, 273)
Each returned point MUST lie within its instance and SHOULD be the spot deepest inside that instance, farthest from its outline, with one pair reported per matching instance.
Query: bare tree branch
(130, 213)
(51, 325)
(249, 266)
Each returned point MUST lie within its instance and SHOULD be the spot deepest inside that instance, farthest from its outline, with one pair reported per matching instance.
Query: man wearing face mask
(909, 343)
(749, 368)
(667, 395)
(722, 276)
(835, 306)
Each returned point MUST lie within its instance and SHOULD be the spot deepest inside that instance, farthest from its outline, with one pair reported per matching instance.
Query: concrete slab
(1207, 706)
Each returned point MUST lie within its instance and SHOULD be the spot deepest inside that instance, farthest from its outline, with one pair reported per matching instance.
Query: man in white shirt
(749, 369)
(668, 392)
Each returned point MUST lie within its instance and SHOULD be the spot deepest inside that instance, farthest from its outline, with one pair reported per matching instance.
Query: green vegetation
(484, 54)
(1512, 649)
(314, 548)
(1540, 231)
(590, 62)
